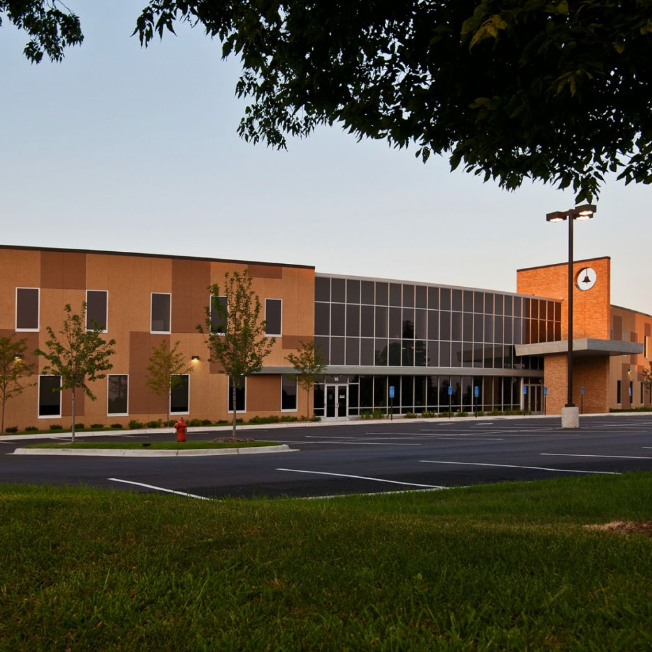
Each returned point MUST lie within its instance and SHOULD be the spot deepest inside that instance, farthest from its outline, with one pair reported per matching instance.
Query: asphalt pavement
(365, 457)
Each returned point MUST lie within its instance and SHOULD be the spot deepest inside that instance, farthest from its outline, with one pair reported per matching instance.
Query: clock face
(586, 278)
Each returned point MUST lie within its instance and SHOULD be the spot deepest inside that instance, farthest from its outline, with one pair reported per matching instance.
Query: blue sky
(128, 149)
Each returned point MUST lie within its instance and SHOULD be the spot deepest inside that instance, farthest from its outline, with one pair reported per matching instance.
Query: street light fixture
(570, 414)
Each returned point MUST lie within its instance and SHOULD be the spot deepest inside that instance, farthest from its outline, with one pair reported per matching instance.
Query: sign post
(525, 409)
(450, 399)
(582, 400)
(476, 396)
(545, 396)
(391, 402)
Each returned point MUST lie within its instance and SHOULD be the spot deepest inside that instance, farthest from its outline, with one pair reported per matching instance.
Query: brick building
(390, 344)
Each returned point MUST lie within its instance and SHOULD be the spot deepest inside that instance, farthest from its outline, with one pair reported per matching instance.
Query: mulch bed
(229, 440)
(624, 527)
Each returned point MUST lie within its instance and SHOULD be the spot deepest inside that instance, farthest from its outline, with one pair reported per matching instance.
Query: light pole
(570, 414)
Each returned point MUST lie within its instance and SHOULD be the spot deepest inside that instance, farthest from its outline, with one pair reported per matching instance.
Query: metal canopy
(583, 347)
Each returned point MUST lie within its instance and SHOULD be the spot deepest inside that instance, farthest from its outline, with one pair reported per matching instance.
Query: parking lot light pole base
(570, 417)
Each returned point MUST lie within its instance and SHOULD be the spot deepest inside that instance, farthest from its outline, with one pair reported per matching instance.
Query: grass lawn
(499, 567)
(158, 445)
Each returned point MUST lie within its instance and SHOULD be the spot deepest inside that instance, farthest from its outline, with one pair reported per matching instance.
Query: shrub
(366, 414)
(480, 413)
(135, 425)
(495, 413)
(31, 429)
(150, 424)
(378, 414)
(194, 423)
(270, 419)
(446, 414)
(11, 429)
(97, 426)
(462, 414)
(206, 422)
(56, 426)
(289, 419)
(117, 426)
(79, 426)
(429, 415)
(315, 418)
(410, 415)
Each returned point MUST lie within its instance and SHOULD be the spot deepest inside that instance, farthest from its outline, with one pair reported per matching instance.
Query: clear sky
(127, 149)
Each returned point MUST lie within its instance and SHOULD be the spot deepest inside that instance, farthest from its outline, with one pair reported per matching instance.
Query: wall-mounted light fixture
(196, 358)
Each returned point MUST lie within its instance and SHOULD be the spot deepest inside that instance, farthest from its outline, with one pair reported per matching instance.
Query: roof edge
(582, 260)
(150, 255)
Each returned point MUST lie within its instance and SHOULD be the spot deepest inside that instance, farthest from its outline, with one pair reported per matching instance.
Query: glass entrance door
(336, 401)
(534, 399)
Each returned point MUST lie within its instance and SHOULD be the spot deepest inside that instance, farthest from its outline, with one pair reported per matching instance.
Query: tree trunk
(73, 417)
(235, 409)
(167, 423)
(307, 403)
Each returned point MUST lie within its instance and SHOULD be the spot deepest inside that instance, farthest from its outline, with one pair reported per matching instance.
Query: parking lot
(336, 459)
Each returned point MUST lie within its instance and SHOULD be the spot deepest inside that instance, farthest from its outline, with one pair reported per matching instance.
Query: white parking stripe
(514, 466)
(168, 491)
(362, 477)
(616, 457)
(362, 443)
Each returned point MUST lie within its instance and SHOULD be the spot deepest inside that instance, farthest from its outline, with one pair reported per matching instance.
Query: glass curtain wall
(385, 324)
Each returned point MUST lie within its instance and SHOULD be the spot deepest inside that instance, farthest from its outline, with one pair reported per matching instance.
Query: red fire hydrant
(181, 427)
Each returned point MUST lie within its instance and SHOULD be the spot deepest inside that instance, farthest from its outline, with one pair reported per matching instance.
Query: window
(240, 396)
(96, 310)
(118, 395)
(219, 307)
(180, 396)
(273, 314)
(161, 304)
(49, 396)
(288, 394)
(619, 392)
(27, 309)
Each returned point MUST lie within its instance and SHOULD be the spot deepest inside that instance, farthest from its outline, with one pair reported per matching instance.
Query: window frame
(228, 395)
(38, 311)
(151, 316)
(106, 324)
(38, 396)
(280, 333)
(296, 396)
(210, 312)
(116, 414)
(170, 398)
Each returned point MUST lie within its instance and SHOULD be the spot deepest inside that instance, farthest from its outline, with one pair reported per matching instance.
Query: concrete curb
(56, 434)
(137, 452)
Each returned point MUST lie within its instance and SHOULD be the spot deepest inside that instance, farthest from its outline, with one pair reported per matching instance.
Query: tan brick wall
(637, 326)
(591, 308)
(64, 278)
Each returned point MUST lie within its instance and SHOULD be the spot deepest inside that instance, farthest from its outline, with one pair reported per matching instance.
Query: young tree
(234, 332)
(166, 366)
(647, 380)
(78, 356)
(13, 370)
(308, 364)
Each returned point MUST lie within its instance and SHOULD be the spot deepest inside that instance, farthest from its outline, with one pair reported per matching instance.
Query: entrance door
(534, 399)
(336, 401)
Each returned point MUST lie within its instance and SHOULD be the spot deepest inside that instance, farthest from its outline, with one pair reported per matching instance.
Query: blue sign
(476, 391)
(582, 390)
(545, 391)
(524, 390)
(391, 391)
(450, 390)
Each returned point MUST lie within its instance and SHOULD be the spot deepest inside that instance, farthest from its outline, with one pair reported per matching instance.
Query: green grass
(158, 445)
(501, 567)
